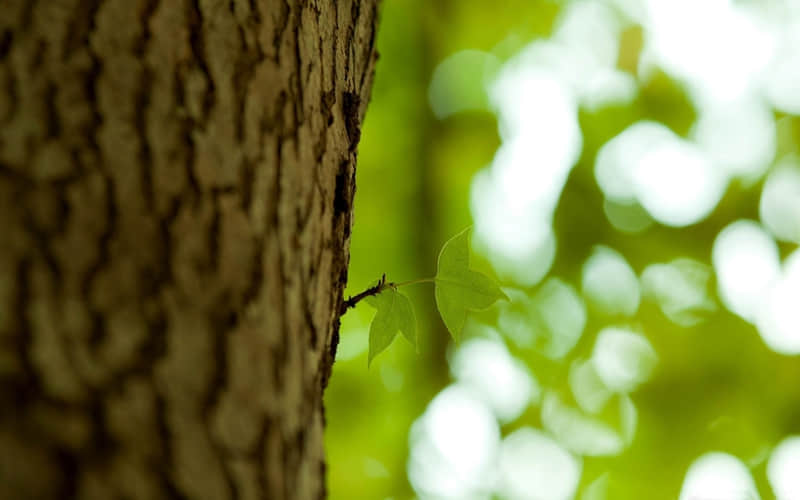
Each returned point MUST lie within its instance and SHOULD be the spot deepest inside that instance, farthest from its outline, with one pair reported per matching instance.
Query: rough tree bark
(176, 184)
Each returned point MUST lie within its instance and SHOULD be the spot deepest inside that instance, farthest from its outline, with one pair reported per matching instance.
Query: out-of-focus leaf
(550, 322)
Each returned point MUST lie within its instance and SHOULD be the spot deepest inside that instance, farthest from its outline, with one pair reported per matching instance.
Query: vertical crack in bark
(297, 75)
(26, 18)
(53, 121)
(245, 67)
(5, 42)
(259, 458)
(80, 26)
(102, 445)
(248, 175)
(92, 76)
(308, 316)
(198, 44)
(223, 322)
(355, 17)
(255, 11)
(26, 387)
(102, 260)
(154, 351)
(351, 106)
(166, 471)
(70, 469)
(256, 281)
(142, 105)
(369, 56)
(11, 87)
(41, 236)
(187, 125)
(213, 241)
(244, 71)
(282, 22)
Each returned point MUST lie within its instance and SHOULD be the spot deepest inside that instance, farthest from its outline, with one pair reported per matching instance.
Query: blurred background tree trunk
(176, 185)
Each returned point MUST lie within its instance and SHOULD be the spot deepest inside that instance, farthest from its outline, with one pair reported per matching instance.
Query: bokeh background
(631, 171)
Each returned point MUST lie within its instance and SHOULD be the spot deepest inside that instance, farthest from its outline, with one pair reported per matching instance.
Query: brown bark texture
(176, 185)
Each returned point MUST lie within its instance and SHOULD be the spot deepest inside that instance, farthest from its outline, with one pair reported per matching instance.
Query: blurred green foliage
(716, 386)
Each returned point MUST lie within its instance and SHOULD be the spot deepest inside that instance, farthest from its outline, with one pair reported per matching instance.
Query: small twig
(376, 289)
(373, 290)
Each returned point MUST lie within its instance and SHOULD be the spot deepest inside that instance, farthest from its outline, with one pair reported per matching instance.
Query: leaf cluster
(458, 290)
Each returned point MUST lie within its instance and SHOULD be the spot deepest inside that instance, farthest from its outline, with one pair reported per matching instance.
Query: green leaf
(460, 289)
(395, 313)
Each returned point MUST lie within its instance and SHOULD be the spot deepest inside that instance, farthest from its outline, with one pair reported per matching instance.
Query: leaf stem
(412, 282)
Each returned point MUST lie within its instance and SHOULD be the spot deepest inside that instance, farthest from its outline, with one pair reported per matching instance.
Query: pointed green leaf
(460, 289)
(395, 313)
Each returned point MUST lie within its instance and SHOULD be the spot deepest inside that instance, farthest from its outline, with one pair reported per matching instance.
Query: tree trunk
(176, 184)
